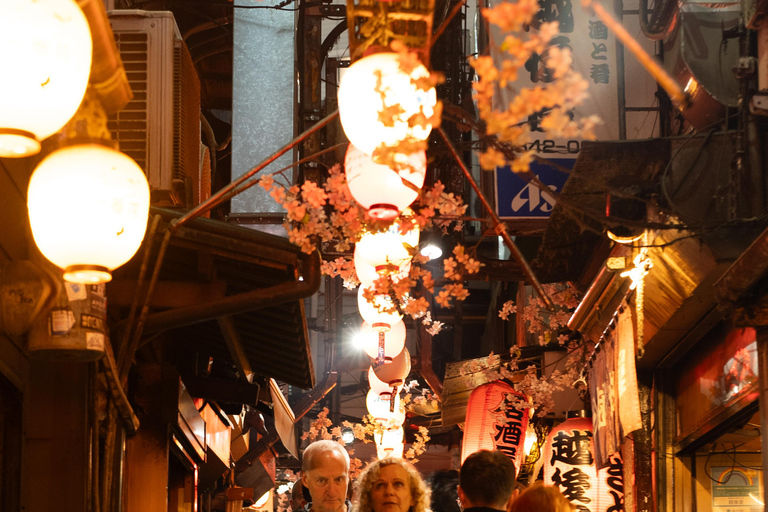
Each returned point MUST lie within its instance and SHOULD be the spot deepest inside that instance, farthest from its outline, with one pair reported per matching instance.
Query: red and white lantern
(394, 342)
(381, 313)
(389, 442)
(497, 419)
(385, 253)
(569, 463)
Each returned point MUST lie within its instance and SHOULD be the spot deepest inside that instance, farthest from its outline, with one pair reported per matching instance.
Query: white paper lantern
(380, 314)
(389, 443)
(379, 406)
(361, 101)
(46, 62)
(379, 188)
(88, 207)
(394, 340)
(395, 371)
(385, 252)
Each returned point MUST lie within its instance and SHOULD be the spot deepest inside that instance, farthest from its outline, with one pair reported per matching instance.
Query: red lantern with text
(569, 464)
(497, 419)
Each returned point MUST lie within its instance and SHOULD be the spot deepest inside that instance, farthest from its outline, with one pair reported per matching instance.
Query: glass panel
(715, 376)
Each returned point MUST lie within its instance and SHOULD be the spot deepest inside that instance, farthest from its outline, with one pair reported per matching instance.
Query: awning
(230, 293)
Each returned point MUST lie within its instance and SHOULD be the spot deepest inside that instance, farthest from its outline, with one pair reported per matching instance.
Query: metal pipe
(499, 226)
(243, 302)
(676, 93)
(216, 198)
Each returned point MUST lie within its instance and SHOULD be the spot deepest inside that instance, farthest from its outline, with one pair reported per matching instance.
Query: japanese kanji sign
(497, 419)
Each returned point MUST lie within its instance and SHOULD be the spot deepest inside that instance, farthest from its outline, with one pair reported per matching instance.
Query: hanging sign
(497, 419)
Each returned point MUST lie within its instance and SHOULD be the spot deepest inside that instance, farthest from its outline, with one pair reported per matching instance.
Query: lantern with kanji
(569, 464)
(497, 419)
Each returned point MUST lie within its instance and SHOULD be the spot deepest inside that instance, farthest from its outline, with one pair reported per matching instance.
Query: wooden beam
(235, 346)
(167, 294)
(222, 390)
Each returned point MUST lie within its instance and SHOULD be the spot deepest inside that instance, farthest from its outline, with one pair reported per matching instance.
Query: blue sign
(518, 199)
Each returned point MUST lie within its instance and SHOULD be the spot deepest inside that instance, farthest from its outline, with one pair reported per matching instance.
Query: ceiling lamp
(389, 443)
(394, 341)
(387, 252)
(88, 207)
(373, 85)
(381, 313)
(385, 408)
(46, 65)
(380, 189)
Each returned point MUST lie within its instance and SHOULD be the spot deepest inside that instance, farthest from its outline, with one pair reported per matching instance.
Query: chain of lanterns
(371, 85)
(88, 203)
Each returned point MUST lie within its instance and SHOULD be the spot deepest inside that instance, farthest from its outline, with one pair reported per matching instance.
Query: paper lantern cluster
(569, 463)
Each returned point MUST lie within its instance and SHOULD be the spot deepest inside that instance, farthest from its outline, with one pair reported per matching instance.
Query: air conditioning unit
(160, 127)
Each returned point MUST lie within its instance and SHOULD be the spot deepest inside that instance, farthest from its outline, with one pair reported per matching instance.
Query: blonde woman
(541, 498)
(390, 485)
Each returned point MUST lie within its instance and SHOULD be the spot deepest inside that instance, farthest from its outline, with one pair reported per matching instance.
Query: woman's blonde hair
(541, 498)
(420, 493)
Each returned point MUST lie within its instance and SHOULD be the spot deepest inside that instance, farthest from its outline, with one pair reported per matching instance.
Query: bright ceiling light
(88, 206)
(47, 53)
(431, 251)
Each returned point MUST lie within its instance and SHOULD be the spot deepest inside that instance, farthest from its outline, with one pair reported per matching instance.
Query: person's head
(325, 474)
(444, 483)
(297, 500)
(541, 498)
(390, 485)
(486, 479)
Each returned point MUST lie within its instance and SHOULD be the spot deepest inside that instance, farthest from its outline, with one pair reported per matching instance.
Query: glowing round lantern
(393, 341)
(384, 409)
(375, 84)
(88, 206)
(386, 252)
(46, 65)
(390, 377)
(381, 313)
(569, 462)
(394, 373)
(389, 442)
(497, 419)
(381, 189)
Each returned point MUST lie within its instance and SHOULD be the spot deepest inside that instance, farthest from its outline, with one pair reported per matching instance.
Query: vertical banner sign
(593, 49)
(497, 419)
(569, 463)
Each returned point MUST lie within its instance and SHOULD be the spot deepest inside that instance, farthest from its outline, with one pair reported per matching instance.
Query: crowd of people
(485, 483)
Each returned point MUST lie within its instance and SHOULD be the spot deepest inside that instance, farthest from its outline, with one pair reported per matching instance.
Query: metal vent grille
(129, 126)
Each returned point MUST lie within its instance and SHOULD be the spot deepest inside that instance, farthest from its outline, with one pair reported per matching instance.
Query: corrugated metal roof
(263, 296)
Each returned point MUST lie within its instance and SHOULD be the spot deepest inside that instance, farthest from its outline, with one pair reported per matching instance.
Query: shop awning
(229, 293)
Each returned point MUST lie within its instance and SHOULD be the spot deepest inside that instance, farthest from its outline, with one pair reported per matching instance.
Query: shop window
(717, 380)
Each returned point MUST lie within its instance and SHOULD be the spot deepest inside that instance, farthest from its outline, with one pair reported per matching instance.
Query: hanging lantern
(396, 370)
(389, 443)
(496, 420)
(46, 65)
(374, 84)
(88, 206)
(610, 485)
(390, 377)
(383, 346)
(381, 314)
(569, 462)
(385, 408)
(386, 252)
(381, 189)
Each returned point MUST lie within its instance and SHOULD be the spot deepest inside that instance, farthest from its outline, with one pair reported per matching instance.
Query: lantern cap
(88, 274)
(383, 211)
(17, 143)
(578, 413)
